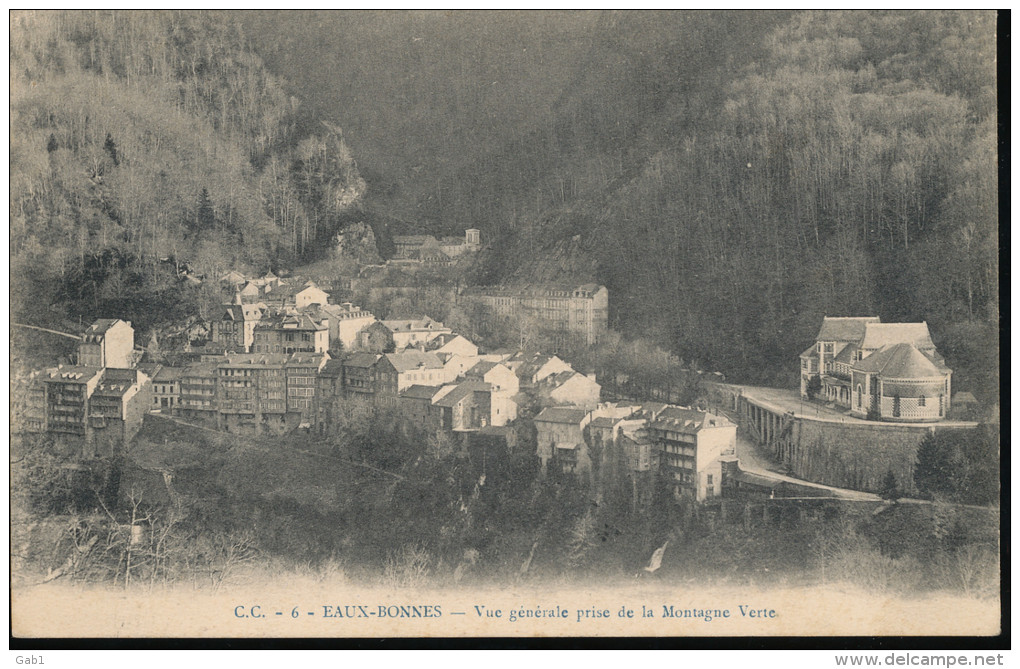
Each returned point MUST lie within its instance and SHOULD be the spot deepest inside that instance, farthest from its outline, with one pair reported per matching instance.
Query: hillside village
(282, 357)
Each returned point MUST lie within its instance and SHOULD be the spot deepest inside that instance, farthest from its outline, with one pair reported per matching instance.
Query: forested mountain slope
(141, 136)
(731, 176)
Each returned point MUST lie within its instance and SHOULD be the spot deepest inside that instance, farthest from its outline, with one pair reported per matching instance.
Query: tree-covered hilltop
(141, 136)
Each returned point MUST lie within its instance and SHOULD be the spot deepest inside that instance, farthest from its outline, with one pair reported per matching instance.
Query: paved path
(780, 400)
(751, 460)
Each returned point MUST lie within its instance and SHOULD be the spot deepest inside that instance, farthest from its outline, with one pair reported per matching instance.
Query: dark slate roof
(847, 354)
(481, 368)
(462, 390)
(420, 392)
(232, 312)
(360, 360)
(71, 373)
(605, 421)
(101, 325)
(168, 374)
(409, 360)
(844, 328)
(561, 415)
(900, 361)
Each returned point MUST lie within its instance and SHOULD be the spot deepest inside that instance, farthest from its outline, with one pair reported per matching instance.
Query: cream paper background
(61, 610)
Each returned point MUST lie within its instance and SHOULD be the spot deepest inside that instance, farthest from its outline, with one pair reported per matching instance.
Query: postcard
(535, 324)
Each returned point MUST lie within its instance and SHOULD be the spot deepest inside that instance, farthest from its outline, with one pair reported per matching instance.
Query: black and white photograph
(412, 324)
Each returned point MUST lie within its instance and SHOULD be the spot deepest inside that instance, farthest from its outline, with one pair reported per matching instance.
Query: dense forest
(147, 142)
(730, 176)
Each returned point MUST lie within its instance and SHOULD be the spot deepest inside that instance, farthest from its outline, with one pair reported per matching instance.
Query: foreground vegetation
(384, 505)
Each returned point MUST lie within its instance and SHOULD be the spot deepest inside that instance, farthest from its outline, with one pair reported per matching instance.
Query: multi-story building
(690, 444)
(411, 332)
(503, 387)
(67, 391)
(291, 333)
(98, 411)
(166, 388)
(302, 371)
(115, 411)
(198, 393)
(886, 371)
(397, 371)
(463, 407)
(108, 342)
(251, 393)
(359, 374)
(345, 321)
(328, 391)
(560, 439)
(422, 247)
(416, 406)
(563, 311)
(235, 329)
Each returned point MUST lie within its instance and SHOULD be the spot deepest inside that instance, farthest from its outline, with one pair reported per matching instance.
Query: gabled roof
(559, 378)
(232, 312)
(481, 368)
(879, 335)
(168, 374)
(531, 365)
(410, 360)
(964, 397)
(811, 351)
(300, 321)
(847, 354)
(413, 324)
(462, 390)
(605, 421)
(683, 419)
(561, 415)
(844, 328)
(101, 325)
(305, 358)
(361, 360)
(73, 373)
(420, 392)
(900, 361)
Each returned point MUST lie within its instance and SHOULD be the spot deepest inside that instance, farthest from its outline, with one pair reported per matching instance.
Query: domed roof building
(883, 371)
